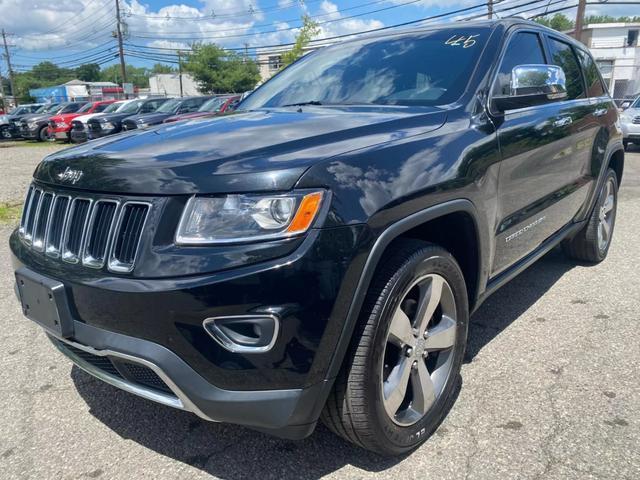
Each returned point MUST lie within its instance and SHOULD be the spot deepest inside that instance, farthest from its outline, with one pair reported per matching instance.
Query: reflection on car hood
(258, 150)
(150, 118)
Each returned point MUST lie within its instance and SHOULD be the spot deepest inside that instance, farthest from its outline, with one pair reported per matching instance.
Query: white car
(630, 121)
(78, 132)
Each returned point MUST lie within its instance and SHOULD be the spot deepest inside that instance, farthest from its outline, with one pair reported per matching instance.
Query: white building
(270, 61)
(616, 48)
(168, 84)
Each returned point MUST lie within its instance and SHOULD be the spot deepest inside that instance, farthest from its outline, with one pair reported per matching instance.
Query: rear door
(544, 148)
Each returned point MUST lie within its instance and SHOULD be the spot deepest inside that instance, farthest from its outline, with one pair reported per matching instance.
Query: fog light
(244, 333)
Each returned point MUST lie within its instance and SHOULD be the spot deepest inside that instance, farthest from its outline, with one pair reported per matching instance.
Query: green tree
(219, 71)
(89, 72)
(308, 30)
(161, 68)
(558, 22)
(136, 75)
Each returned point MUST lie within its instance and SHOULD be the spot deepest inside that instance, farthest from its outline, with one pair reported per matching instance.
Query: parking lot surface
(550, 388)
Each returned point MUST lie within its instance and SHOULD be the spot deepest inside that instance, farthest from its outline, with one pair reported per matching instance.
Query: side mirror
(533, 85)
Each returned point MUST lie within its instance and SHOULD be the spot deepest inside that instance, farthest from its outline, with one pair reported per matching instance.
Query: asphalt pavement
(550, 389)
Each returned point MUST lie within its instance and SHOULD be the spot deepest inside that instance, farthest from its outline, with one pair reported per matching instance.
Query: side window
(190, 105)
(594, 84)
(100, 107)
(562, 55)
(149, 107)
(524, 49)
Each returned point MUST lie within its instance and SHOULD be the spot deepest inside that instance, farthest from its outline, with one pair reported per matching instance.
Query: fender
(388, 235)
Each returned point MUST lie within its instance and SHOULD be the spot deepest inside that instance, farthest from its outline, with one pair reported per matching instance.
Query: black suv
(172, 107)
(318, 253)
(111, 123)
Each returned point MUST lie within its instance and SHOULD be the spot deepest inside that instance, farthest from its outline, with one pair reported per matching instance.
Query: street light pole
(123, 69)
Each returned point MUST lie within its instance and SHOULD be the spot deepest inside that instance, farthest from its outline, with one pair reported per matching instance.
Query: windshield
(169, 106)
(85, 108)
(636, 104)
(113, 107)
(131, 107)
(48, 108)
(213, 105)
(19, 111)
(426, 68)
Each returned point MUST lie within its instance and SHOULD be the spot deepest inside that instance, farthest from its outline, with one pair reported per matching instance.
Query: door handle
(600, 112)
(563, 122)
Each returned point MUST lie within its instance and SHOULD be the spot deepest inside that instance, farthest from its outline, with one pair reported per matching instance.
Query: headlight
(107, 125)
(246, 218)
(32, 125)
(61, 125)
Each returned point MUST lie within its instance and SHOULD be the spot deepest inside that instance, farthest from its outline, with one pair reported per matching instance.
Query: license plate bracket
(45, 302)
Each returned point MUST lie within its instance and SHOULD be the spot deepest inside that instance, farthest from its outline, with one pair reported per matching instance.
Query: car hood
(631, 112)
(87, 117)
(113, 117)
(65, 117)
(149, 118)
(186, 116)
(36, 117)
(262, 150)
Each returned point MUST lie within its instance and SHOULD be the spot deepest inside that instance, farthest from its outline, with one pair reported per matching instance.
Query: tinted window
(153, 105)
(430, 68)
(594, 84)
(524, 49)
(71, 108)
(562, 55)
(101, 107)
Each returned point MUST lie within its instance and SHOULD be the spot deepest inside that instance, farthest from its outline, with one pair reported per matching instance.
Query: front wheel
(401, 374)
(5, 133)
(591, 244)
(43, 134)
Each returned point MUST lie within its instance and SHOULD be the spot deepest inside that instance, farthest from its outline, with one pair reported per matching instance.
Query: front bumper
(61, 135)
(78, 136)
(161, 376)
(29, 133)
(99, 133)
(630, 131)
(159, 323)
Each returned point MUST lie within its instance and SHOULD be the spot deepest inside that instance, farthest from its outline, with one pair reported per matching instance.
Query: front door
(544, 150)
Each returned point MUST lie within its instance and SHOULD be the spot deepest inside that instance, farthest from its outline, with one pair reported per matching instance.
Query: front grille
(51, 124)
(121, 369)
(100, 362)
(83, 230)
(636, 120)
(77, 126)
(143, 375)
(94, 126)
(129, 125)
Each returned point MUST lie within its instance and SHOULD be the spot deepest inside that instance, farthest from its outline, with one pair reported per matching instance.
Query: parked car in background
(36, 126)
(175, 106)
(78, 133)
(214, 106)
(60, 125)
(7, 125)
(630, 121)
(111, 123)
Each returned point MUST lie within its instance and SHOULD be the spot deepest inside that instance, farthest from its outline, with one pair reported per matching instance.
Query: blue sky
(69, 32)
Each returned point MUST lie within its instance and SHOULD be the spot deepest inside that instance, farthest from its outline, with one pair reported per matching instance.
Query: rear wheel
(592, 243)
(400, 377)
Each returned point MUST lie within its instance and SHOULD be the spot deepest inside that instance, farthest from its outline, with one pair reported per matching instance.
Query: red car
(211, 108)
(60, 125)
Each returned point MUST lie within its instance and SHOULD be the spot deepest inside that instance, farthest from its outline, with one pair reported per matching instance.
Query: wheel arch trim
(391, 233)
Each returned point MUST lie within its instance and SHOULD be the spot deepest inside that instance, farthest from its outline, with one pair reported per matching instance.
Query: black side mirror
(533, 85)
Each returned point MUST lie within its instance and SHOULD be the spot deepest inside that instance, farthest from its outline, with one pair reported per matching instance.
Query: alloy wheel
(419, 350)
(606, 216)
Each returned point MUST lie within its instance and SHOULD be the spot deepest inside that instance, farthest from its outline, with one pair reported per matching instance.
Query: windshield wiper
(302, 104)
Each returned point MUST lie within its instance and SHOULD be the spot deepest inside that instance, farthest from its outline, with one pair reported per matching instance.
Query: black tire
(43, 134)
(5, 133)
(625, 145)
(355, 408)
(585, 245)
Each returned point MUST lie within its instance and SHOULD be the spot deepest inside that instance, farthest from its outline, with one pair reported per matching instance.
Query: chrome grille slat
(85, 230)
(56, 225)
(43, 216)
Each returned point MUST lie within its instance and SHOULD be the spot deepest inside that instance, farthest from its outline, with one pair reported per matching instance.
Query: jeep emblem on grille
(70, 175)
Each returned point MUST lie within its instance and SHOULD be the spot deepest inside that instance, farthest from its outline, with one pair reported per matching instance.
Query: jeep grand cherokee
(318, 254)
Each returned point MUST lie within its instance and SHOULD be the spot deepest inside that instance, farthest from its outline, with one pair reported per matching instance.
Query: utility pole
(577, 32)
(180, 70)
(490, 9)
(123, 70)
(8, 57)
